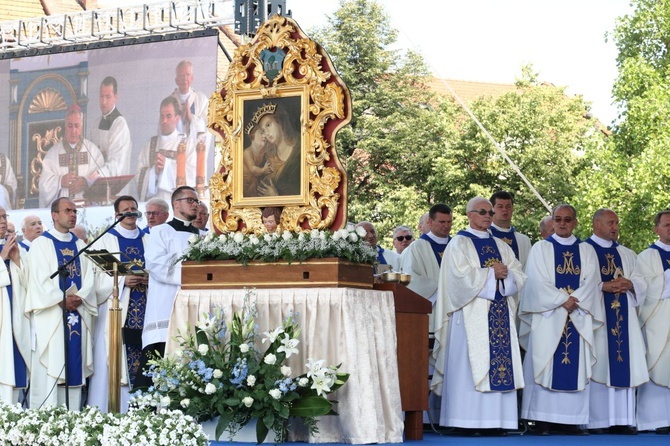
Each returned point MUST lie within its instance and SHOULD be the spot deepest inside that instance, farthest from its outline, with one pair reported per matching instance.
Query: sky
(490, 40)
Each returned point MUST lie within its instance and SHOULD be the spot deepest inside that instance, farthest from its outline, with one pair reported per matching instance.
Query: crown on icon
(266, 109)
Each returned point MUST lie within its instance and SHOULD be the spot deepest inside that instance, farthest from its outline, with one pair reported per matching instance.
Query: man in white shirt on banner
(158, 164)
(111, 133)
(477, 356)
(653, 264)
(194, 105)
(71, 166)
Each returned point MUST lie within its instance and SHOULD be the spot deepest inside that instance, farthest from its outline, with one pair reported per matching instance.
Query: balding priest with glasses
(166, 243)
(477, 355)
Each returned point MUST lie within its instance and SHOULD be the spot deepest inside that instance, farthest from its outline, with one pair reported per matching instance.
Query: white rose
(210, 388)
(286, 371)
(267, 238)
(353, 237)
(193, 238)
(360, 231)
(238, 237)
(275, 393)
(185, 402)
(322, 235)
(286, 235)
(270, 359)
(244, 348)
(343, 233)
(314, 233)
(247, 401)
(254, 240)
(203, 349)
(210, 236)
(336, 236)
(251, 380)
(217, 373)
(165, 401)
(350, 227)
(303, 382)
(301, 237)
(223, 238)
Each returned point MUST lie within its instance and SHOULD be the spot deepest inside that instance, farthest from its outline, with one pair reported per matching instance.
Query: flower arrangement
(57, 426)
(289, 246)
(220, 372)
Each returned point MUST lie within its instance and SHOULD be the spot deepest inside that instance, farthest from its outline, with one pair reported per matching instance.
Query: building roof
(469, 91)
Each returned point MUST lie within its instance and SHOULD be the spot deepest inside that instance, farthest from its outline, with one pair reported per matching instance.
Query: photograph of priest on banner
(272, 148)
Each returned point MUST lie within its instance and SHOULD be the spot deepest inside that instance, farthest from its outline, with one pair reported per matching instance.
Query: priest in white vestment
(129, 242)
(157, 167)
(194, 105)
(477, 356)
(559, 308)
(14, 323)
(620, 349)
(44, 300)
(653, 398)
(111, 133)
(71, 166)
(165, 245)
(384, 256)
(501, 227)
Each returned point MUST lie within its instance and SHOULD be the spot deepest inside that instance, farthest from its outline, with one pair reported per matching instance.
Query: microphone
(137, 214)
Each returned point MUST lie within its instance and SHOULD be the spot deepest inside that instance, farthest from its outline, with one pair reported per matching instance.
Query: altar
(354, 327)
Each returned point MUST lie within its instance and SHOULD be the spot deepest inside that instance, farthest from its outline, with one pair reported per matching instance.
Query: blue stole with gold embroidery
(507, 237)
(380, 256)
(566, 357)
(438, 248)
(64, 252)
(665, 256)
(133, 251)
(616, 315)
(501, 371)
(20, 367)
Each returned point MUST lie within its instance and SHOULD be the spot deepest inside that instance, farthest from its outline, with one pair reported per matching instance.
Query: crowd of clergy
(578, 328)
(566, 336)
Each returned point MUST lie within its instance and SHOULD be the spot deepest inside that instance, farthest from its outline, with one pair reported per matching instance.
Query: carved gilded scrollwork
(42, 144)
(281, 69)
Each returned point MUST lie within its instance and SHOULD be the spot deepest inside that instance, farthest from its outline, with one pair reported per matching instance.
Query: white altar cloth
(354, 327)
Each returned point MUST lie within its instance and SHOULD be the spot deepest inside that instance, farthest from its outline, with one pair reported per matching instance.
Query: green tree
(631, 174)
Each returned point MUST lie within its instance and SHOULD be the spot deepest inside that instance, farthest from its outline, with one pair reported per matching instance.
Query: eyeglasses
(400, 238)
(484, 212)
(189, 200)
(4, 217)
(69, 211)
(154, 213)
(563, 219)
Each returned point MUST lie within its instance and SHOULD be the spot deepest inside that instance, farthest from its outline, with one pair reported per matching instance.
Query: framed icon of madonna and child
(269, 163)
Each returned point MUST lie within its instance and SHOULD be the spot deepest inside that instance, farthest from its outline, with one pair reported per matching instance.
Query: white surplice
(654, 397)
(461, 352)
(610, 406)
(542, 323)
(98, 394)
(43, 299)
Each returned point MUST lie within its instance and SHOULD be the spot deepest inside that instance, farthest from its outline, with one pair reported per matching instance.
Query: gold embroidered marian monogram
(568, 267)
(611, 267)
(507, 240)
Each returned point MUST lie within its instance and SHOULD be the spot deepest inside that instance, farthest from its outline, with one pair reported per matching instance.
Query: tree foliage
(407, 148)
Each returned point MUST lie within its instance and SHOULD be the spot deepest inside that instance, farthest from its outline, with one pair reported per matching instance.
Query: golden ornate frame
(306, 71)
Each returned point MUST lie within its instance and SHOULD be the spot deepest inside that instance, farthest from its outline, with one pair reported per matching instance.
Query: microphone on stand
(137, 214)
